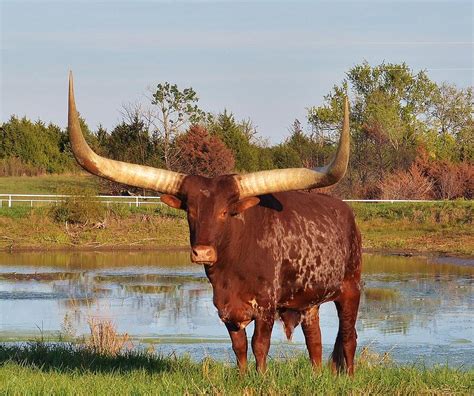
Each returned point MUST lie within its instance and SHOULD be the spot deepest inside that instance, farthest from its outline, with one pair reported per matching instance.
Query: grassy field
(431, 228)
(434, 228)
(47, 184)
(67, 369)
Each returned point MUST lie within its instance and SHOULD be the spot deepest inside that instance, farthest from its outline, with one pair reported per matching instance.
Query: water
(414, 308)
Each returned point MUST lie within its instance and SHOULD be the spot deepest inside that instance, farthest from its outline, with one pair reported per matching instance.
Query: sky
(264, 60)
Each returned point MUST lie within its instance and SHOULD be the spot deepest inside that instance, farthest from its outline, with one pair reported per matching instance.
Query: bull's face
(211, 205)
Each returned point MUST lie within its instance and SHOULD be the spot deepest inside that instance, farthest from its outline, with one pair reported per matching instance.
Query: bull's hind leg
(347, 305)
(312, 334)
(239, 345)
(261, 341)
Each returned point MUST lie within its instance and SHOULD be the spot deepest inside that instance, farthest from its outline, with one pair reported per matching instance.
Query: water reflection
(410, 306)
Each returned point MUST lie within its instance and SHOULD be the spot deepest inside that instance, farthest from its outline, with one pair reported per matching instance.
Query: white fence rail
(8, 200)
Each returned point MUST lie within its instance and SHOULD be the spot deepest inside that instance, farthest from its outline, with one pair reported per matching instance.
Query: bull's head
(211, 204)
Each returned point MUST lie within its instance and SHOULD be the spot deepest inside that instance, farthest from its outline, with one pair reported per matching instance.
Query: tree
(35, 144)
(310, 150)
(236, 136)
(450, 116)
(203, 154)
(388, 106)
(176, 110)
(284, 156)
(130, 142)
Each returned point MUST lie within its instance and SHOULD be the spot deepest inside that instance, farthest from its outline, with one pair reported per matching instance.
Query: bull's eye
(224, 214)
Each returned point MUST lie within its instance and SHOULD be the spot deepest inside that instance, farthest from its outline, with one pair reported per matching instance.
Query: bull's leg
(312, 334)
(347, 305)
(261, 341)
(239, 345)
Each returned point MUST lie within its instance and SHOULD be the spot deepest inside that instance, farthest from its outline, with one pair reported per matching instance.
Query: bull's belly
(302, 286)
(302, 299)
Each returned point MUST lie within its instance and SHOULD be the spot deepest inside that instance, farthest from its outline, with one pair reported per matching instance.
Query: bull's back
(310, 238)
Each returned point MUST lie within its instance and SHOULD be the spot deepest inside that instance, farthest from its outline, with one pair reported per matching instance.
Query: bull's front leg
(239, 345)
(261, 340)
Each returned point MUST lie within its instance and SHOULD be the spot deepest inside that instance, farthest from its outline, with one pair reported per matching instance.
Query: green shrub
(79, 207)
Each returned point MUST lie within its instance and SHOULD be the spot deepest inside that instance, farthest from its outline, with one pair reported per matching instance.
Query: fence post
(9, 201)
(136, 199)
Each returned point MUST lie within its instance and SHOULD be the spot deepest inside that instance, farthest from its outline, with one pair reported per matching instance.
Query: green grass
(442, 212)
(47, 184)
(15, 212)
(431, 227)
(40, 368)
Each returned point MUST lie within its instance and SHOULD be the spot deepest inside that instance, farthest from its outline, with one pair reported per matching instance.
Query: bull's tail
(337, 360)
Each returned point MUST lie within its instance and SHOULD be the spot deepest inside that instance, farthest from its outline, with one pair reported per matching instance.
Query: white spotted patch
(314, 249)
(253, 303)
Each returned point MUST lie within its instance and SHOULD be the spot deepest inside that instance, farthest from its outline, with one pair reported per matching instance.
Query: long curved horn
(277, 180)
(134, 175)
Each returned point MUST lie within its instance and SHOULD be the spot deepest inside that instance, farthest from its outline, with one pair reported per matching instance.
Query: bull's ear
(244, 204)
(171, 200)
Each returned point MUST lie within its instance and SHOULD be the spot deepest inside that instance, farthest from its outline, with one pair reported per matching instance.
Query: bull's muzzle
(201, 254)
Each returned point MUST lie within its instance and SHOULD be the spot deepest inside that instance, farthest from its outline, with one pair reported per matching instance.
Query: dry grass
(104, 339)
(36, 230)
(368, 358)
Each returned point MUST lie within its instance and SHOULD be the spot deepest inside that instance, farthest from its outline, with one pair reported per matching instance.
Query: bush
(452, 181)
(410, 184)
(79, 207)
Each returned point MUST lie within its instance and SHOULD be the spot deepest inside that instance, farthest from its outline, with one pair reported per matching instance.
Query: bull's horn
(134, 175)
(277, 180)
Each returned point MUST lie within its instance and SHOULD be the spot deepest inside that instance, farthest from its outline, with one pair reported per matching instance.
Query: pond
(417, 309)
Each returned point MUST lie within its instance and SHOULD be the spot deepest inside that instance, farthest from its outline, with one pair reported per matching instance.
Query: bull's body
(292, 254)
(286, 256)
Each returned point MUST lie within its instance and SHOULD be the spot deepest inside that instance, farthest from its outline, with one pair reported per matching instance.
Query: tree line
(410, 137)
